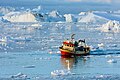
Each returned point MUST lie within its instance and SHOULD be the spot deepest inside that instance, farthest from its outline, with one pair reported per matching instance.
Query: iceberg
(3, 20)
(90, 17)
(82, 13)
(111, 26)
(5, 10)
(53, 16)
(20, 17)
(68, 18)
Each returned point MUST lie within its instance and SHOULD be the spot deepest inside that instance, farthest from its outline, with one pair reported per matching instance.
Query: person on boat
(81, 45)
(76, 44)
(72, 40)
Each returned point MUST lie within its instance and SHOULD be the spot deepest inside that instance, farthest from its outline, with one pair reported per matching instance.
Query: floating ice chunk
(113, 26)
(61, 73)
(108, 56)
(101, 45)
(46, 58)
(19, 76)
(114, 45)
(112, 61)
(21, 38)
(95, 48)
(50, 52)
(3, 39)
(58, 52)
(29, 66)
(36, 26)
(100, 76)
(85, 58)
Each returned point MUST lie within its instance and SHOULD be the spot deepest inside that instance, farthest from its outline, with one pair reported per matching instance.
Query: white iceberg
(5, 10)
(20, 17)
(110, 26)
(68, 17)
(53, 16)
(90, 17)
(37, 9)
(3, 20)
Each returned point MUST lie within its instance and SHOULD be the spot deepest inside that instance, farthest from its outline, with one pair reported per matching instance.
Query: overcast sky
(58, 1)
(65, 5)
(102, 1)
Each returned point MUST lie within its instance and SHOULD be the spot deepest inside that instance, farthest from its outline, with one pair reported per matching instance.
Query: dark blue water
(35, 52)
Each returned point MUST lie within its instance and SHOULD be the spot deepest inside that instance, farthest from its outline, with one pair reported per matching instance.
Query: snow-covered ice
(111, 26)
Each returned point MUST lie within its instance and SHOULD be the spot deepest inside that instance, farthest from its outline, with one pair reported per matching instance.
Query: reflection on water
(70, 62)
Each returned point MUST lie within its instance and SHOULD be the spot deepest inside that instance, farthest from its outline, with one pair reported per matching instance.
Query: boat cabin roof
(68, 43)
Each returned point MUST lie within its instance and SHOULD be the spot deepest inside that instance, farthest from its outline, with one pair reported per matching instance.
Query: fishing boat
(74, 48)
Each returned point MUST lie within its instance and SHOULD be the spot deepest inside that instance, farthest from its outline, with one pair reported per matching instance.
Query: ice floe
(20, 76)
(3, 39)
(29, 66)
(108, 56)
(112, 61)
(19, 39)
(61, 73)
(36, 25)
(101, 45)
(42, 58)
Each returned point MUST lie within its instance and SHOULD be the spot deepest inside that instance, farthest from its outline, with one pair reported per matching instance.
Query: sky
(101, 1)
(51, 1)
(65, 5)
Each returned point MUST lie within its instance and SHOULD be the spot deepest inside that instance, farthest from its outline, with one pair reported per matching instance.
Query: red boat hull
(68, 53)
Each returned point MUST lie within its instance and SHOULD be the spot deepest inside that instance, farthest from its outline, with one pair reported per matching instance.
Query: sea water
(33, 54)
